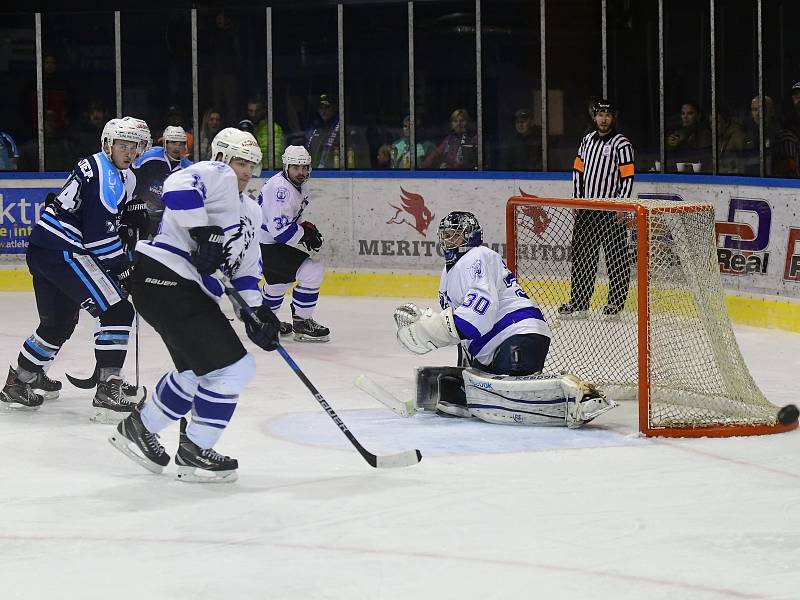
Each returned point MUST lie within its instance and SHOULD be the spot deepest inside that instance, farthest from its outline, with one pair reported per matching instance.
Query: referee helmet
(604, 105)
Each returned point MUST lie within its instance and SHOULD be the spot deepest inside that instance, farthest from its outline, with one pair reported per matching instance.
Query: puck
(788, 414)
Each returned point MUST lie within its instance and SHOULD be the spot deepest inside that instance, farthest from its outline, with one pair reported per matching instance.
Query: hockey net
(672, 346)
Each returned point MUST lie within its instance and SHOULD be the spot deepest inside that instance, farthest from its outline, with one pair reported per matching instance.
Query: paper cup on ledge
(696, 167)
(683, 167)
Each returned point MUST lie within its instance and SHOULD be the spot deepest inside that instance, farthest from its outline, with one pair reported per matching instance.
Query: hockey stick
(401, 459)
(84, 384)
(385, 397)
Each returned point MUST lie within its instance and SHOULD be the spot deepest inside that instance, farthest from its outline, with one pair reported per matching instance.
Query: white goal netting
(673, 335)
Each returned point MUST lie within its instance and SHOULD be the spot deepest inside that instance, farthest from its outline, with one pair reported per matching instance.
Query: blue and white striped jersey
(488, 304)
(206, 193)
(85, 216)
(282, 206)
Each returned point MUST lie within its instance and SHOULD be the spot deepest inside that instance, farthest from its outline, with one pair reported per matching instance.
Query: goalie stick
(401, 459)
(382, 395)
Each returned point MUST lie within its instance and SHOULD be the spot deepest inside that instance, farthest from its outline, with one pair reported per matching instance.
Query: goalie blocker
(538, 400)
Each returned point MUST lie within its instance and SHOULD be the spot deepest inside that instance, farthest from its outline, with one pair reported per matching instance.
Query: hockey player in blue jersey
(502, 334)
(153, 167)
(77, 261)
(208, 224)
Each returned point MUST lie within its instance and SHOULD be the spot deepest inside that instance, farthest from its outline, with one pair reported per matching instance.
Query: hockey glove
(312, 238)
(431, 331)
(265, 333)
(132, 223)
(210, 252)
(123, 273)
(406, 314)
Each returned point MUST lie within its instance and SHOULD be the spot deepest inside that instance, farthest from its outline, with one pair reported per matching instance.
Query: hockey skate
(131, 431)
(213, 467)
(308, 330)
(46, 387)
(572, 311)
(18, 394)
(285, 328)
(110, 402)
(611, 312)
(133, 393)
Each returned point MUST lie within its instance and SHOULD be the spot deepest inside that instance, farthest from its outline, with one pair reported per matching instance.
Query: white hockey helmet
(235, 143)
(173, 133)
(296, 155)
(145, 139)
(118, 129)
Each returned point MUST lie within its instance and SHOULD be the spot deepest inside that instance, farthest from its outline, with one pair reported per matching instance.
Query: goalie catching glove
(420, 332)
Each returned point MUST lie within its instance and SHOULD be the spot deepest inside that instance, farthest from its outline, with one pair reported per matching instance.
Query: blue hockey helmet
(458, 232)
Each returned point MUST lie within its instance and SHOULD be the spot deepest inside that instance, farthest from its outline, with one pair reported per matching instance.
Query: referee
(603, 168)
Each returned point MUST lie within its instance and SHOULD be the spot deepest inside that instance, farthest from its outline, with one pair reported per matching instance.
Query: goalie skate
(203, 465)
(131, 435)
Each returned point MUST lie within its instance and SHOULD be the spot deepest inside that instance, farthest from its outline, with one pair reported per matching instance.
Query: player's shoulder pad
(155, 153)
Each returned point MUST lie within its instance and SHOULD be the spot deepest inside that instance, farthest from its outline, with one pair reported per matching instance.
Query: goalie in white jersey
(208, 224)
(283, 199)
(502, 334)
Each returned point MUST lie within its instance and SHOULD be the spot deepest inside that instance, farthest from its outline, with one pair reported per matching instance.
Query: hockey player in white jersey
(501, 332)
(283, 199)
(208, 224)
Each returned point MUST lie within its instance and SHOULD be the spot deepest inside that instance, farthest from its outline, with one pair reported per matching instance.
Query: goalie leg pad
(534, 399)
(427, 379)
(507, 400)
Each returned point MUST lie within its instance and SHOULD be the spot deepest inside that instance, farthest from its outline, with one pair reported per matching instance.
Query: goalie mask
(296, 156)
(233, 143)
(459, 232)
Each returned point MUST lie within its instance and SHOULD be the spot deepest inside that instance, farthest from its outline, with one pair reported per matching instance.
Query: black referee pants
(593, 229)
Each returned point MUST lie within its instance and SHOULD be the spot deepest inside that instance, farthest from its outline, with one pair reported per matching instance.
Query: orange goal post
(672, 347)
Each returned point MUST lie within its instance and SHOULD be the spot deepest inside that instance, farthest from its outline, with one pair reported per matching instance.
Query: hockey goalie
(503, 339)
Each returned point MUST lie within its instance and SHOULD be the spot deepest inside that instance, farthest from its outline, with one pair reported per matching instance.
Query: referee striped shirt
(603, 167)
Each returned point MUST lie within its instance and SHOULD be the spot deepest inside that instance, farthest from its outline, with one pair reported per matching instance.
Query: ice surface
(491, 512)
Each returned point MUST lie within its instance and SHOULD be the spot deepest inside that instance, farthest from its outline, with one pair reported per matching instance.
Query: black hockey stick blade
(84, 384)
(390, 461)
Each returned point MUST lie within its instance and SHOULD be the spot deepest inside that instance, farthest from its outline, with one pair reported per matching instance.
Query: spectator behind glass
(9, 154)
(383, 159)
(792, 119)
(225, 50)
(401, 149)
(58, 96)
(781, 145)
(175, 119)
(257, 114)
(91, 127)
(322, 138)
(524, 150)
(689, 143)
(731, 139)
(458, 149)
(210, 125)
(59, 150)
